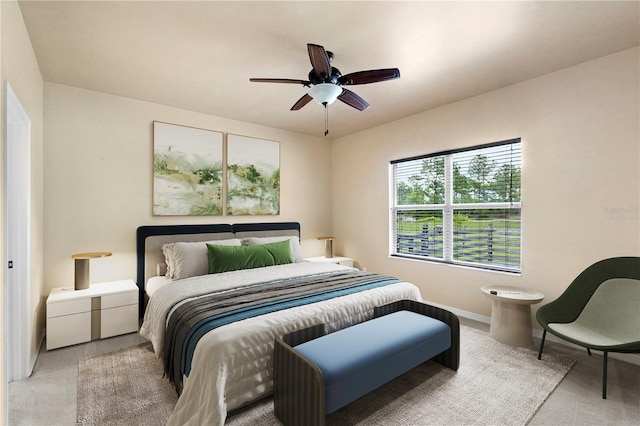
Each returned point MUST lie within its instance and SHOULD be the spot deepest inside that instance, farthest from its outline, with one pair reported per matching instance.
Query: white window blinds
(459, 206)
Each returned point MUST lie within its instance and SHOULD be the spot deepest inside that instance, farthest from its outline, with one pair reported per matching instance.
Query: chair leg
(589, 351)
(604, 375)
(544, 334)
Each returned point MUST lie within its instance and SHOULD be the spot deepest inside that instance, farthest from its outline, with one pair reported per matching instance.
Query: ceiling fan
(325, 81)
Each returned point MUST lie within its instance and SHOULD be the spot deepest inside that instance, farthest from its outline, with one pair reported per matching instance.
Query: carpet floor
(496, 384)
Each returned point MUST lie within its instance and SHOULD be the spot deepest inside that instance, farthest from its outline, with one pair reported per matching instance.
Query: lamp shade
(325, 93)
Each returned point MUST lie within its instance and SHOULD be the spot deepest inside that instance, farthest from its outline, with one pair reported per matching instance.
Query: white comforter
(232, 365)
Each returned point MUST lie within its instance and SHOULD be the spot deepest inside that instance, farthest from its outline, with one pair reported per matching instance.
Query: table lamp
(82, 267)
(328, 246)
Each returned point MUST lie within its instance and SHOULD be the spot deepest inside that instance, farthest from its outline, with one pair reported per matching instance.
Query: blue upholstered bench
(316, 374)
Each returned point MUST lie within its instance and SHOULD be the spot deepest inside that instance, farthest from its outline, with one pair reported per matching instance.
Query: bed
(215, 331)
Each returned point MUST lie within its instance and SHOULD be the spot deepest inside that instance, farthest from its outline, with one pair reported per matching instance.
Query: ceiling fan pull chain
(326, 119)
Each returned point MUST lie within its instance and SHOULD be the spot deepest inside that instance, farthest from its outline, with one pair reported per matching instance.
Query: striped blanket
(193, 319)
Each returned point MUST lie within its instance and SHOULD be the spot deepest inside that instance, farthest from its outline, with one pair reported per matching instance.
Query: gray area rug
(496, 384)
(125, 387)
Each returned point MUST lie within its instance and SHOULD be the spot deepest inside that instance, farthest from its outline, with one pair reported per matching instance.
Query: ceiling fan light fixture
(325, 93)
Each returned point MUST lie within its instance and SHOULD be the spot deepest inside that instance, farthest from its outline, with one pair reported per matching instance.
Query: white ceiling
(200, 55)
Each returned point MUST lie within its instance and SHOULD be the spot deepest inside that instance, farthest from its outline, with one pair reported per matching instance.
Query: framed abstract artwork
(253, 176)
(187, 171)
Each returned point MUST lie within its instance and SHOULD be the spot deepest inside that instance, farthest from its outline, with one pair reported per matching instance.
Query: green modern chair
(600, 310)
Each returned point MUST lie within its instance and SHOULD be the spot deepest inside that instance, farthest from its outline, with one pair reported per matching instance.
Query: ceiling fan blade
(353, 100)
(370, 76)
(319, 60)
(280, 80)
(301, 102)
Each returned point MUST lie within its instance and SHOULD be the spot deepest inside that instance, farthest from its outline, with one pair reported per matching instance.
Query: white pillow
(191, 259)
(296, 250)
(167, 251)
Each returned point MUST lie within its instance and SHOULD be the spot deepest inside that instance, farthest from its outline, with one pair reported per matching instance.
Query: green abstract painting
(187, 171)
(253, 176)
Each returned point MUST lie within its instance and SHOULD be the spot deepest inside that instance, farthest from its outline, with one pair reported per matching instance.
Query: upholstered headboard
(150, 239)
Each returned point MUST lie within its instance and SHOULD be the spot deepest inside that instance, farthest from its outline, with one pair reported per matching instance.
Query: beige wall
(580, 141)
(20, 69)
(98, 179)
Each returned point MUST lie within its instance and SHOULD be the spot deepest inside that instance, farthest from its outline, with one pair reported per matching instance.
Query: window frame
(448, 209)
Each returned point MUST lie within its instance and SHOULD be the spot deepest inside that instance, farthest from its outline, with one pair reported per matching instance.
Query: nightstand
(100, 311)
(345, 261)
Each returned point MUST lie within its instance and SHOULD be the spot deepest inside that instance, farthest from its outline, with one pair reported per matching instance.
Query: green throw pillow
(233, 258)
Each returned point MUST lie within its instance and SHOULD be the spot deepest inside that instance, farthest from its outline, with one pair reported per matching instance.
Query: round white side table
(511, 313)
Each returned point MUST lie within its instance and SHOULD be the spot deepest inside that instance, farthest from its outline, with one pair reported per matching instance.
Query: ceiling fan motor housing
(315, 78)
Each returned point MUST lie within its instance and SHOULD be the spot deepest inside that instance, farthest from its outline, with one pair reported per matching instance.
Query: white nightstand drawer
(102, 310)
(120, 320)
(68, 307)
(119, 299)
(68, 330)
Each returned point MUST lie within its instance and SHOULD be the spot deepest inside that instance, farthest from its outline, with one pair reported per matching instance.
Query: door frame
(18, 327)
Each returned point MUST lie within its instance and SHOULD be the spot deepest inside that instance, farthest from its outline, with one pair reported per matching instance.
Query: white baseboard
(34, 356)
(630, 358)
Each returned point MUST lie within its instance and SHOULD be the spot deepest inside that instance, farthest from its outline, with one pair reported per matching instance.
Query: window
(460, 207)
